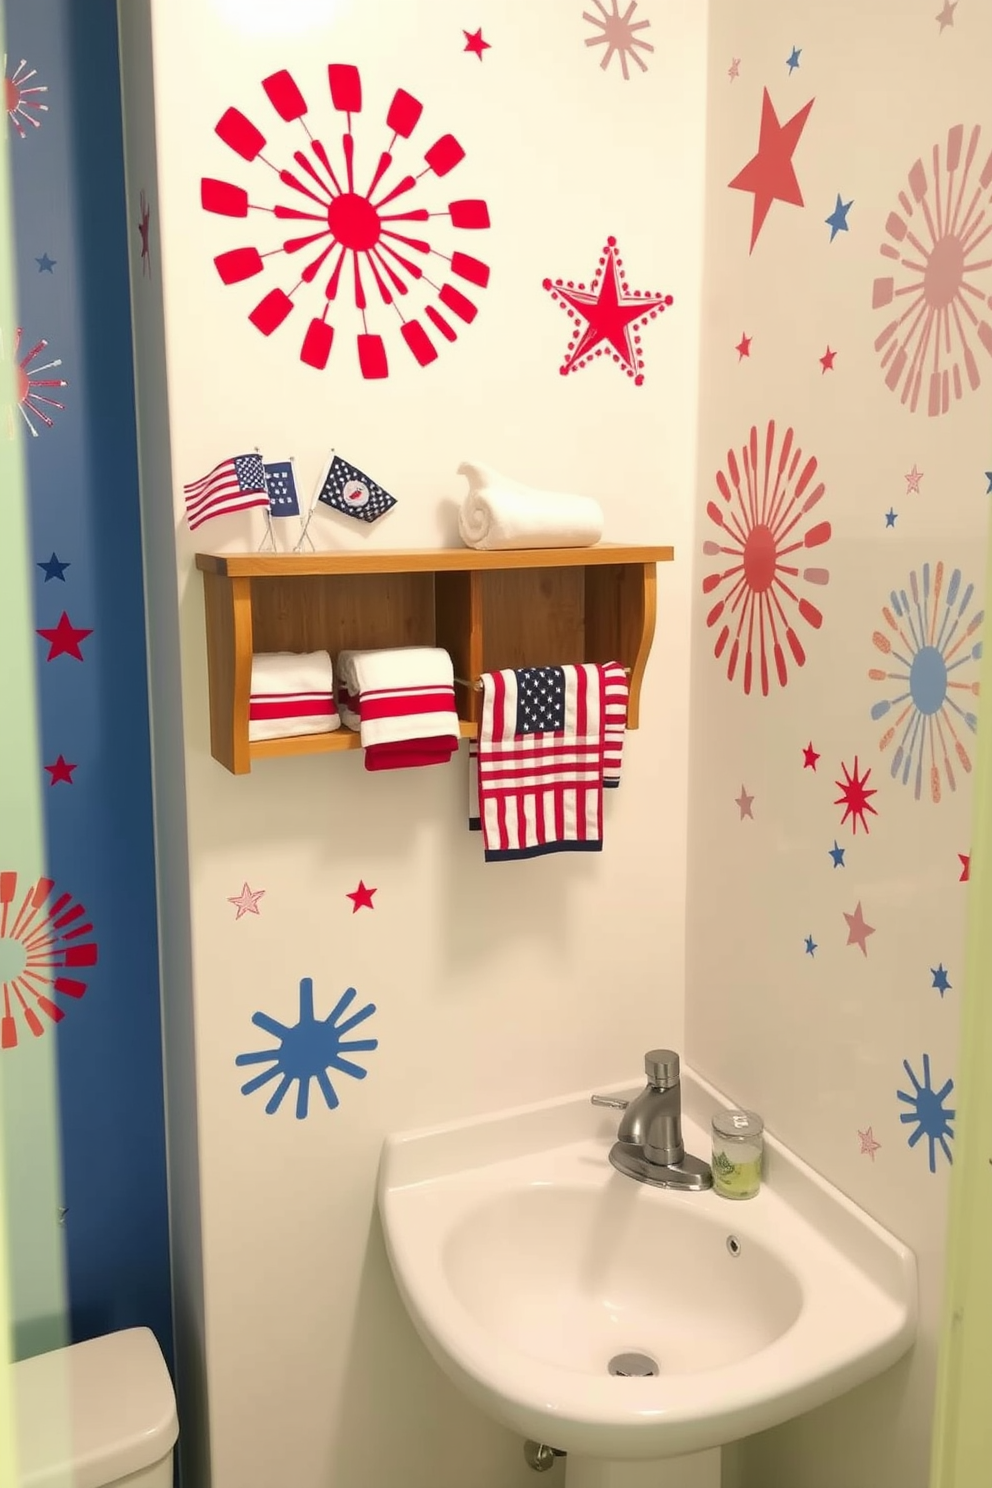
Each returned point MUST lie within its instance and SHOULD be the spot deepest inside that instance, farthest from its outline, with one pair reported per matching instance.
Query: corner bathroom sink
(531, 1267)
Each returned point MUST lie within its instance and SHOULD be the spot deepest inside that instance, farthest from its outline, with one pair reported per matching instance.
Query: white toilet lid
(94, 1412)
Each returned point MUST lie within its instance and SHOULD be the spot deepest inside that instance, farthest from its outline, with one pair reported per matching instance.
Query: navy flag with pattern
(347, 489)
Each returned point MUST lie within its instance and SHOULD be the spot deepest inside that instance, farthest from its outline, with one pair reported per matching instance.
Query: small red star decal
(869, 1146)
(770, 174)
(965, 867)
(827, 360)
(810, 757)
(474, 42)
(854, 796)
(60, 771)
(64, 638)
(611, 314)
(361, 898)
(743, 347)
(247, 901)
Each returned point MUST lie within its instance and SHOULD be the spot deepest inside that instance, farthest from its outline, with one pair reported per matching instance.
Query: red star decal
(611, 315)
(770, 174)
(854, 796)
(827, 360)
(64, 639)
(361, 898)
(474, 42)
(60, 771)
(810, 757)
(965, 867)
(743, 347)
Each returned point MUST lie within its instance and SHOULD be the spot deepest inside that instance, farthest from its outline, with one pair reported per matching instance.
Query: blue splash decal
(929, 1116)
(307, 1050)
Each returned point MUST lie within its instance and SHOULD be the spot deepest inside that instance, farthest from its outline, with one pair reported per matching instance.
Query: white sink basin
(527, 1263)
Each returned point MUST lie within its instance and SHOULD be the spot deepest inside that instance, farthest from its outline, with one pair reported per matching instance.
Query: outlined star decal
(361, 898)
(770, 174)
(246, 901)
(965, 867)
(734, 70)
(64, 639)
(868, 1144)
(743, 347)
(940, 982)
(474, 42)
(611, 314)
(913, 478)
(946, 17)
(792, 60)
(810, 756)
(890, 517)
(45, 264)
(827, 360)
(744, 803)
(811, 946)
(61, 771)
(857, 930)
(54, 568)
(837, 853)
(837, 221)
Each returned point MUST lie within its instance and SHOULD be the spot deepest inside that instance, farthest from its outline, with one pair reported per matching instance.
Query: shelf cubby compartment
(533, 607)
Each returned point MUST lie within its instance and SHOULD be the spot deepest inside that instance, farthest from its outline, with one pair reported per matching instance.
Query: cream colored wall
(817, 1042)
(492, 984)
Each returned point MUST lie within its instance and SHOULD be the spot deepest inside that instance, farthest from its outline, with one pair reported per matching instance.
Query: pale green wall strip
(962, 1441)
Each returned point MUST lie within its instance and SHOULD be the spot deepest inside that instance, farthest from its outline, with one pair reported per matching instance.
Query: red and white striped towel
(292, 692)
(405, 705)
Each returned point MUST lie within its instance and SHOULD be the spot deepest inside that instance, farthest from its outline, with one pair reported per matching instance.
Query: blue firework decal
(929, 645)
(929, 1116)
(307, 1050)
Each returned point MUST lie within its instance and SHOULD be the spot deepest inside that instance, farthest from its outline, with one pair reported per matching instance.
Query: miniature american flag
(235, 485)
(541, 760)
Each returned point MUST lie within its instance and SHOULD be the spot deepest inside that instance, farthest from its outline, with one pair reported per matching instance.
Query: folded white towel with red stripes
(403, 702)
(292, 692)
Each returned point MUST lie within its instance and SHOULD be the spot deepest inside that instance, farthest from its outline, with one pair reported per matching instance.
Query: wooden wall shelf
(534, 607)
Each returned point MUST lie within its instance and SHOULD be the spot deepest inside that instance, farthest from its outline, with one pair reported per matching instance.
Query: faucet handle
(662, 1068)
(610, 1100)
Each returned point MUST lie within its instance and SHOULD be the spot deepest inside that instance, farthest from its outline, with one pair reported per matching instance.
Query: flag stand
(305, 533)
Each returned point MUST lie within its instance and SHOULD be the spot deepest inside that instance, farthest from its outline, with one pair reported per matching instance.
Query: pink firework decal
(618, 34)
(30, 388)
(43, 936)
(607, 316)
(352, 241)
(764, 531)
(20, 97)
(936, 297)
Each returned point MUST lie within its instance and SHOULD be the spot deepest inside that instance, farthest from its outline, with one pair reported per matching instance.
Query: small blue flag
(280, 482)
(347, 489)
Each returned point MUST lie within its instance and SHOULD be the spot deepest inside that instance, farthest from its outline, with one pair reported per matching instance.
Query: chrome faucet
(649, 1140)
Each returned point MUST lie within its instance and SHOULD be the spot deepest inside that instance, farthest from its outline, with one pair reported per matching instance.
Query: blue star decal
(307, 1050)
(890, 517)
(811, 946)
(837, 221)
(54, 568)
(45, 264)
(940, 982)
(929, 1116)
(837, 853)
(792, 61)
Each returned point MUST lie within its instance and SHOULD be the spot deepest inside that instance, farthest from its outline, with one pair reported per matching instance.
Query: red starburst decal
(20, 97)
(607, 316)
(367, 242)
(764, 530)
(39, 941)
(855, 797)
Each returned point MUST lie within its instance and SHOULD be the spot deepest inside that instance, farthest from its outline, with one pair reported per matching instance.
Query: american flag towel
(617, 696)
(404, 703)
(291, 693)
(541, 758)
(234, 485)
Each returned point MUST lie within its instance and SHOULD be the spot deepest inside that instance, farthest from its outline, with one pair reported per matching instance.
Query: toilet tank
(96, 1413)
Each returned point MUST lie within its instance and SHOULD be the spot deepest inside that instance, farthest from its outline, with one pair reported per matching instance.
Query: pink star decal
(946, 16)
(743, 347)
(810, 757)
(64, 639)
(610, 313)
(361, 898)
(734, 70)
(857, 930)
(913, 478)
(743, 803)
(965, 867)
(827, 360)
(770, 175)
(475, 43)
(246, 901)
(868, 1144)
(61, 771)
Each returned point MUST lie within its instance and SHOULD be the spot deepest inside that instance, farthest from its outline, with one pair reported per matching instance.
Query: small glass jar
(738, 1147)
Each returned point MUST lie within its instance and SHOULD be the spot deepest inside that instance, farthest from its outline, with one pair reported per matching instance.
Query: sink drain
(637, 1366)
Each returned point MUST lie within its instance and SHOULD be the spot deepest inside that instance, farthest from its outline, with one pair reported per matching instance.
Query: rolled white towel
(501, 513)
(292, 692)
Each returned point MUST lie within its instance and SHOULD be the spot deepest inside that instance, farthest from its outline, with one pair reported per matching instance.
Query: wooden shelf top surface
(423, 560)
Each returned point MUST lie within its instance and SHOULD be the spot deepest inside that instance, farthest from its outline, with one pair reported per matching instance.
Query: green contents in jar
(736, 1180)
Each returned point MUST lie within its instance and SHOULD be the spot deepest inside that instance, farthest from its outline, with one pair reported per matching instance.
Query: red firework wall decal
(935, 300)
(32, 402)
(20, 97)
(763, 531)
(351, 241)
(39, 942)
